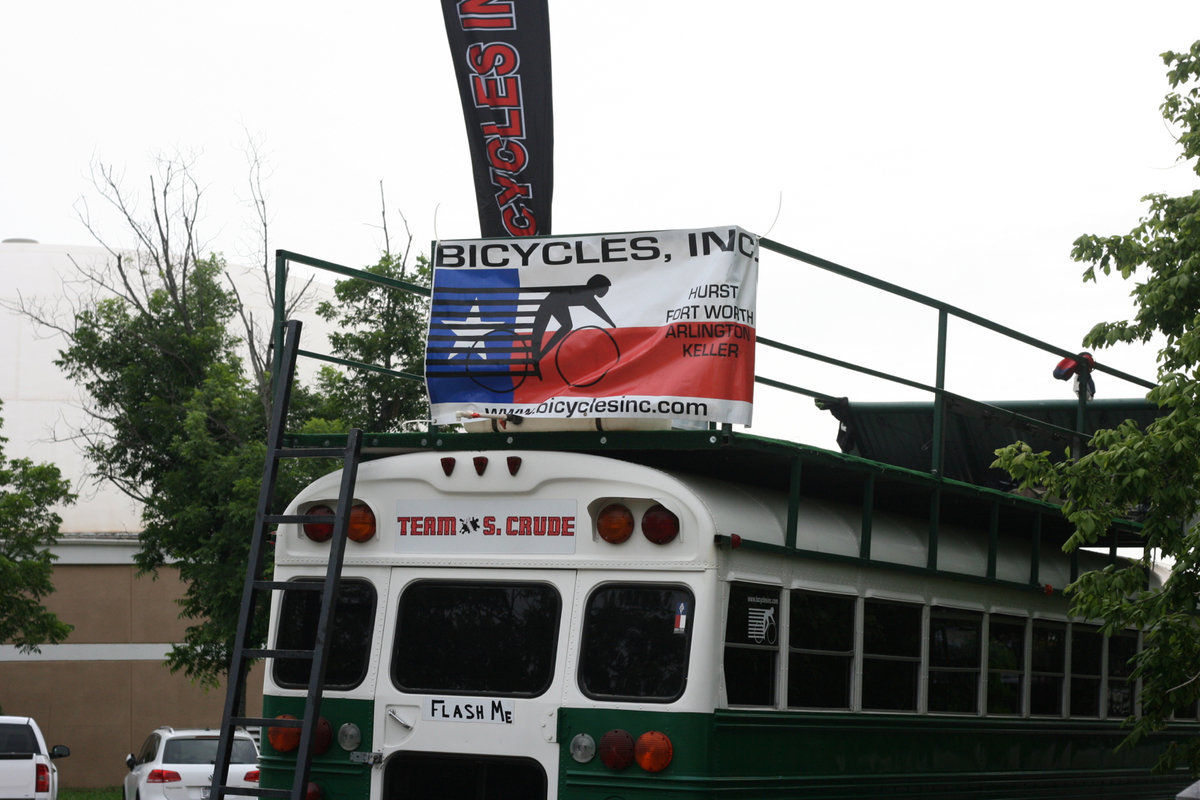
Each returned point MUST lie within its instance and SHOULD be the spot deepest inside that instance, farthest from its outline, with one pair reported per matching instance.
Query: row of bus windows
(847, 652)
(498, 638)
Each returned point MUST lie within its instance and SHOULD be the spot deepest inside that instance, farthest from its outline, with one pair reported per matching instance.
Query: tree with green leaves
(383, 325)
(176, 423)
(180, 429)
(179, 422)
(28, 528)
(1156, 469)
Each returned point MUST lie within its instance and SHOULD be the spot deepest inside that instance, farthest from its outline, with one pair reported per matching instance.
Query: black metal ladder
(245, 651)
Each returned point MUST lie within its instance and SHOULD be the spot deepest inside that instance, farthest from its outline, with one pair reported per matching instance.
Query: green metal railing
(938, 391)
(940, 395)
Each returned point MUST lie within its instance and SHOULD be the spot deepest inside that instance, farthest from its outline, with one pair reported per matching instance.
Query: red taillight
(319, 531)
(251, 776)
(163, 776)
(614, 523)
(659, 525)
(322, 736)
(653, 751)
(42, 783)
(616, 749)
(284, 739)
(362, 523)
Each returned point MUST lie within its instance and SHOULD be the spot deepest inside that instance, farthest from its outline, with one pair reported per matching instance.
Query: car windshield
(17, 738)
(203, 750)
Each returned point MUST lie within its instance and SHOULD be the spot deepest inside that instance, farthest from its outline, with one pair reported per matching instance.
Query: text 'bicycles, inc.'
(656, 324)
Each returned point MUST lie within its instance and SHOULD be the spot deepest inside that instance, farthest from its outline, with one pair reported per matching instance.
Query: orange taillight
(362, 523)
(284, 739)
(653, 751)
(614, 523)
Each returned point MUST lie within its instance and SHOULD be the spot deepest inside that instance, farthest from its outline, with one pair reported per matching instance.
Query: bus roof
(798, 469)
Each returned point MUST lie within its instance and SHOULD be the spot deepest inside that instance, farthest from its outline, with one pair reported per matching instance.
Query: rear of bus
(508, 618)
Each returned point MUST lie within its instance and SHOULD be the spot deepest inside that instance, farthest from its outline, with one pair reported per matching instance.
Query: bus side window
(1049, 667)
(1086, 645)
(1121, 648)
(955, 655)
(751, 644)
(820, 650)
(891, 655)
(1006, 664)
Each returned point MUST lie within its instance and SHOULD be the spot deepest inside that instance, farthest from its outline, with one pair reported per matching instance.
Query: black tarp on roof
(901, 434)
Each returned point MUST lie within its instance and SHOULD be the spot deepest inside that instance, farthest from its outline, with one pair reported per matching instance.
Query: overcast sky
(955, 148)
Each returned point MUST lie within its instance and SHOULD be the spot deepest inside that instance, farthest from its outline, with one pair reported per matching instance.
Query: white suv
(178, 765)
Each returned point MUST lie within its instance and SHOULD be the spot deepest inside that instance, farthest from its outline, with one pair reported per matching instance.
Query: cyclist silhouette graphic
(557, 305)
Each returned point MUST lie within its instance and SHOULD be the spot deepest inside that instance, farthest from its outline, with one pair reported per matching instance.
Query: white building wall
(42, 408)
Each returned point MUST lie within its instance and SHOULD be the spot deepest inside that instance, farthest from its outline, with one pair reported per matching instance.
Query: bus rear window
(351, 629)
(635, 642)
(476, 638)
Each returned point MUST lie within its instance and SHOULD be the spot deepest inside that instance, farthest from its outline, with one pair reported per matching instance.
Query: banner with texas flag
(658, 324)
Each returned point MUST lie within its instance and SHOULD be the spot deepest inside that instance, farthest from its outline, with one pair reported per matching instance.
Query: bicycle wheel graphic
(586, 355)
(495, 363)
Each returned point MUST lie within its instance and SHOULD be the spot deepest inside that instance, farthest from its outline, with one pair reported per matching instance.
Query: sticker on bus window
(760, 625)
(681, 618)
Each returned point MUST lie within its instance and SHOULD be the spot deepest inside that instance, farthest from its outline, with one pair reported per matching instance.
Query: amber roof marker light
(614, 523)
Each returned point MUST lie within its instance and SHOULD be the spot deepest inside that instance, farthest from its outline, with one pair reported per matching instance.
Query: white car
(27, 770)
(178, 765)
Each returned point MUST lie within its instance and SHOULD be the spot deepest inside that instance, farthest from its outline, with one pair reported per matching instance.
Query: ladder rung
(264, 722)
(288, 586)
(271, 653)
(299, 519)
(311, 452)
(253, 791)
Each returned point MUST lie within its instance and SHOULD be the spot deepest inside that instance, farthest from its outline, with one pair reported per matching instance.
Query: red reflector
(163, 776)
(659, 525)
(362, 523)
(313, 792)
(614, 523)
(319, 531)
(616, 749)
(251, 776)
(653, 751)
(42, 782)
(284, 740)
(480, 464)
(514, 465)
(447, 466)
(322, 736)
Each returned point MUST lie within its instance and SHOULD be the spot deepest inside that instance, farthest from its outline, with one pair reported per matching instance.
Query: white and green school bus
(651, 614)
(725, 616)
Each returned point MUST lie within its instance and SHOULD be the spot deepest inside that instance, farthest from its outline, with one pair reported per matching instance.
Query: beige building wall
(104, 689)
